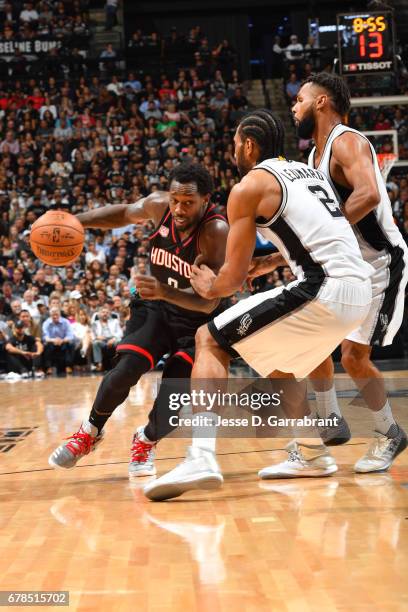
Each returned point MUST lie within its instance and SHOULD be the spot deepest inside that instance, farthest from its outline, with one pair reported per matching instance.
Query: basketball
(57, 238)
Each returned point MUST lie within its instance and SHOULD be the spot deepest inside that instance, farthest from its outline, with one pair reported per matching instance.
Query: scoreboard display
(366, 43)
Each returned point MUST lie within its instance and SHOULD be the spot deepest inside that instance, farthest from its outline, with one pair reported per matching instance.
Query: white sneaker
(199, 470)
(296, 466)
(39, 375)
(13, 376)
(143, 454)
(382, 451)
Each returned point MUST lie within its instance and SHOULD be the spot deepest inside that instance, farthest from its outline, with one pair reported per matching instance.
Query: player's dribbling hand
(202, 279)
(149, 288)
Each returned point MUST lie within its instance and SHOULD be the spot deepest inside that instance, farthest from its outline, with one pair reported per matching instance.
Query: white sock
(90, 428)
(204, 435)
(383, 418)
(327, 403)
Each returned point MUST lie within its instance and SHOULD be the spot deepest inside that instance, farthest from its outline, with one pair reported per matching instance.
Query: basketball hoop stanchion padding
(386, 162)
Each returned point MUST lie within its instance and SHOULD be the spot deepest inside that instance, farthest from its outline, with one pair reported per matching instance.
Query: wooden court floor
(338, 543)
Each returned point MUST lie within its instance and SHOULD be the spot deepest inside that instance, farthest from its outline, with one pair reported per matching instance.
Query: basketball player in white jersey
(288, 331)
(349, 161)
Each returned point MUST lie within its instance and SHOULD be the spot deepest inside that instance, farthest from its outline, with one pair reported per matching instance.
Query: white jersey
(377, 234)
(309, 228)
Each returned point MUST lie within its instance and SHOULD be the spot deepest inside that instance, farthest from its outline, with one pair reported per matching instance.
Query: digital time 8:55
(371, 24)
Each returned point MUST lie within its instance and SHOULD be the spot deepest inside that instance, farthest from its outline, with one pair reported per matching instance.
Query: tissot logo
(359, 67)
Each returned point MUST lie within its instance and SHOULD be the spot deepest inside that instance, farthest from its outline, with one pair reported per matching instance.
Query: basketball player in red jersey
(348, 159)
(166, 313)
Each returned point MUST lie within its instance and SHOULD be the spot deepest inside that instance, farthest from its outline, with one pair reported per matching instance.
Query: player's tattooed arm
(212, 245)
(118, 215)
(264, 265)
(353, 168)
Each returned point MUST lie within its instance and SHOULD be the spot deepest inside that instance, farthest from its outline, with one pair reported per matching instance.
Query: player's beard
(189, 224)
(306, 126)
(185, 226)
(243, 166)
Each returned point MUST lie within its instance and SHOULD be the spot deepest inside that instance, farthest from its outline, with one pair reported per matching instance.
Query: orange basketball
(57, 238)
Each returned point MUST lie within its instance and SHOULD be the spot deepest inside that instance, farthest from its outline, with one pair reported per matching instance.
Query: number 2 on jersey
(331, 205)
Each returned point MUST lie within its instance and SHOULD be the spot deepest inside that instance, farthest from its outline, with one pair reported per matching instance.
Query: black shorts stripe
(221, 340)
(274, 309)
(396, 268)
(271, 310)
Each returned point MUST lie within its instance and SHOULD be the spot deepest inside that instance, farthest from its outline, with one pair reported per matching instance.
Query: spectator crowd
(181, 49)
(43, 18)
(43, 38)
(82, 143)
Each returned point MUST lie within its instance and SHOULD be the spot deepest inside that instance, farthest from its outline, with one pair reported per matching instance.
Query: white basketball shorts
(293, 328)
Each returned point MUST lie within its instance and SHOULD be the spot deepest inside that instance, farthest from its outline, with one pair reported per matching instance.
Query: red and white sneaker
(143, 454)
(81, 443)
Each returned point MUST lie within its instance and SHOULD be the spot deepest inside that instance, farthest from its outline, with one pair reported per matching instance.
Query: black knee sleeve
(116, 385)
(127, 371)
(176, 378)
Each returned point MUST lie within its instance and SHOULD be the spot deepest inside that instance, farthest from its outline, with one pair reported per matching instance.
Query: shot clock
(366, 43)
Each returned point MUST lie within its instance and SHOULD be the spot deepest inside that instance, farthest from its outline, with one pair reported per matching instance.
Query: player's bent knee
(203, 338)
(348, 362)
(130, 368)
(353, 358)
(323, 371)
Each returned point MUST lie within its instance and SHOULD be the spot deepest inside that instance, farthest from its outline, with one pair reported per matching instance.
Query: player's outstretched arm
(213, 239)
(352, 154)
(118, 215)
